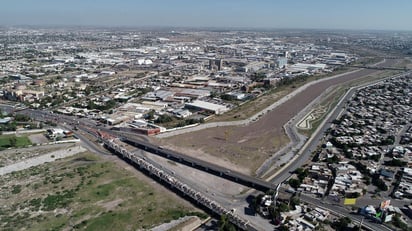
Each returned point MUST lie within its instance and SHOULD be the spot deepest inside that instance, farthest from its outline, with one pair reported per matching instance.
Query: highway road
(340, 210)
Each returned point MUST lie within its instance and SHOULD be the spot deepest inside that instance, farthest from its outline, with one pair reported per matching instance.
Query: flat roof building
(203, 105)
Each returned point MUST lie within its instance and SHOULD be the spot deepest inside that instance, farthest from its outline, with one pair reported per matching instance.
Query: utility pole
(361, 223)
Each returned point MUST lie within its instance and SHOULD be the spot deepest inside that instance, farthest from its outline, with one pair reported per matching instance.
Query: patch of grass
(16, 189)
(58, 200)
(103, 191)
(86, 211)
(20, 141)
(86, 157)
(109, 221)
(81, 193)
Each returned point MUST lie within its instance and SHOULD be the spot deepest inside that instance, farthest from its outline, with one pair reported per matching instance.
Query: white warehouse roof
(216, 108)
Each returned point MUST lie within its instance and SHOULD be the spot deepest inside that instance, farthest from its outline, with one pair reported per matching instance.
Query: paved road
(7, 108)
(340, 210)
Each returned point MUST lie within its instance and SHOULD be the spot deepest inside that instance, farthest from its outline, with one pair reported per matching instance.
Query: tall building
(282, 62)
(215, 64)
(219, 63)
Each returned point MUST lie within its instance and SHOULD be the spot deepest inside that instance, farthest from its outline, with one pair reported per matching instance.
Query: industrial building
(305, 68)
(206, 106)
(281, 62)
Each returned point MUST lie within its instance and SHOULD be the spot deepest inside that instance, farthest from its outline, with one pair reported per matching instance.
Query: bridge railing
(180, 186)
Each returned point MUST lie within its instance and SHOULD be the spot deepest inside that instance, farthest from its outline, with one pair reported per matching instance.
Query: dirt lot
(38, 138)
(11, 156)
(245, 148)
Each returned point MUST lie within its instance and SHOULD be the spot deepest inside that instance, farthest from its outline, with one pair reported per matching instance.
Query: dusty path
(38, 160)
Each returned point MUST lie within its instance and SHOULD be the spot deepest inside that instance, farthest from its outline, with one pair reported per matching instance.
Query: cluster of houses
(367, 150)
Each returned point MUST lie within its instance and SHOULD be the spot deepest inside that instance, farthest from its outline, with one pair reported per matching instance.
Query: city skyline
(318, 14)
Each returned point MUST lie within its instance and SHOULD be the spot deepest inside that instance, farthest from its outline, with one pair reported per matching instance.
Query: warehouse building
(206, 106)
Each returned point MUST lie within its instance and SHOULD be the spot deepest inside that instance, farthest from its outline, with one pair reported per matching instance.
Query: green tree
(13, 141)
(258, 77)
(87, 90)
(283, 207)
(333, 160)
(225, 225)
(397, 222)
(367, 180)
(275, 213)
(302, 173)
(214, 94)
(396, 163)
(256, 201)
(164, 119)
(150, 114)
(283, 227)
(379, 183)
(293, 202)
(21, 118)
(341, 224)
(295, 183)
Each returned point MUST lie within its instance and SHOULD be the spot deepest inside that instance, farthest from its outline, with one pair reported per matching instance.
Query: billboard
(385, 204)
(349, 201)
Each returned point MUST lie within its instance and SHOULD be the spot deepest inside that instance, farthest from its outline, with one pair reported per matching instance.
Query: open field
(85, 192)
(405, 63)
(246, 147)
(20, 141)
(38, 138)
(11, 156)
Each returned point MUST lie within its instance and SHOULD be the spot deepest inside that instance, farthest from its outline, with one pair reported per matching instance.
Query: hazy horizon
(263, 14)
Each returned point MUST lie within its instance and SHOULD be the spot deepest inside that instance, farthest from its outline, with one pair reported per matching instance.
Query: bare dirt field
(11, 156)
(38, 138)
(245, 148)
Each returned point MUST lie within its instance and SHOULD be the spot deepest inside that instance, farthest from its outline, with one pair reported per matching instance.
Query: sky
(299, 14)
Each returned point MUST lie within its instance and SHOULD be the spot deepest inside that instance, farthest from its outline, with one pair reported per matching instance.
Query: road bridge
(217, 170)
(175, 184)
